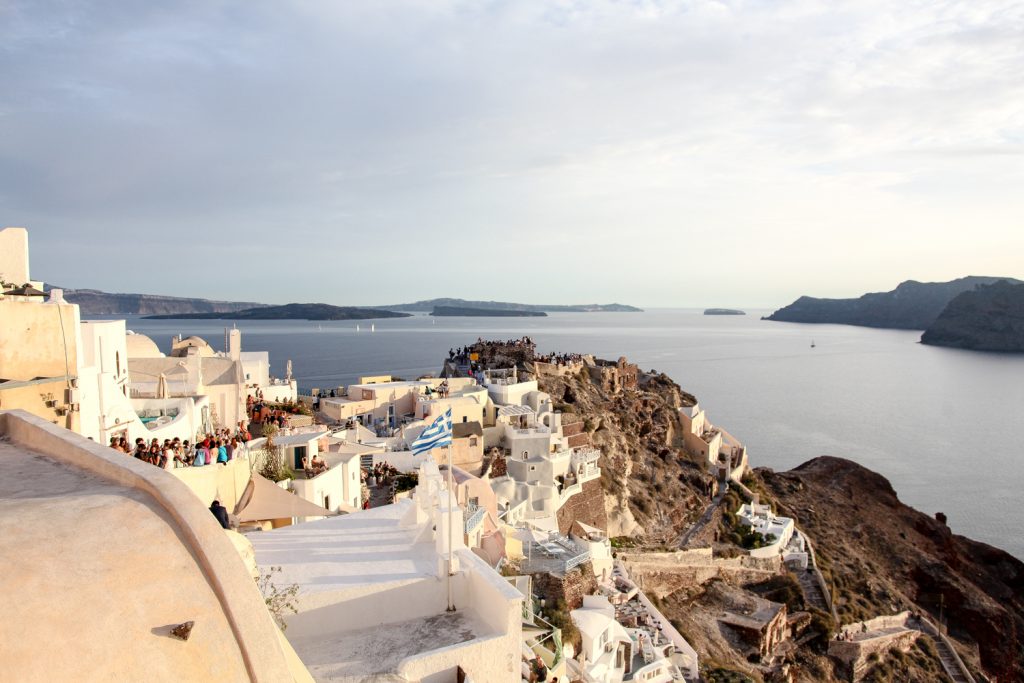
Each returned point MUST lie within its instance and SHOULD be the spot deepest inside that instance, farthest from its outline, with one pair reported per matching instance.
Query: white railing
(474, 515)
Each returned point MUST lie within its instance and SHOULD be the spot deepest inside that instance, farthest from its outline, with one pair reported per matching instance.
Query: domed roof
(141, 346)
(180, 348)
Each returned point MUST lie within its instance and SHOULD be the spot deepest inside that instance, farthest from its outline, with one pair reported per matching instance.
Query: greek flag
(439, 433)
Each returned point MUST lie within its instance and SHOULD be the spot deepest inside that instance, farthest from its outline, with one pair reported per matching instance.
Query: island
(723, 311)
(911, 306)
(989, 318)
(96, 302)
(289, 312)
(428, 305)
(461, 311)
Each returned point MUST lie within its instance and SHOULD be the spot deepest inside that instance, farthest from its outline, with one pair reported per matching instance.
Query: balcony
(474, 515)
(557, 555)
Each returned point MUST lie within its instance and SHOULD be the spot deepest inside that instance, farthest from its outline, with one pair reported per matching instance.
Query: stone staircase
(812, 590)
(950, 661)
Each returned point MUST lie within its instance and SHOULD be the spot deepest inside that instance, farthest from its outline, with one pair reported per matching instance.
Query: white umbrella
(529, 536)
(161, 386)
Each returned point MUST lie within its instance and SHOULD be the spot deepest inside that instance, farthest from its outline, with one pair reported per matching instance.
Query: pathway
(380, 495)
(812, 590)
(704, 519)
(951, 662)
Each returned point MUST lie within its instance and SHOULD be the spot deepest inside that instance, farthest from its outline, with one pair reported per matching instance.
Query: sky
(654, 153)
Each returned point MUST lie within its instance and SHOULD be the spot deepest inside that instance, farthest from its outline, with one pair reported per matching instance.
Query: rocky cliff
(882, 556)
(989, 318)
(652, 487)
(878, 555)
(911, 306)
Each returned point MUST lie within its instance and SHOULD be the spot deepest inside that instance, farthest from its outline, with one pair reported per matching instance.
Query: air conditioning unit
(72, 396)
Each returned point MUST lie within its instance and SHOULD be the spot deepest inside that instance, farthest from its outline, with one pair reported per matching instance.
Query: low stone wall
(664, 573)
(855, 654)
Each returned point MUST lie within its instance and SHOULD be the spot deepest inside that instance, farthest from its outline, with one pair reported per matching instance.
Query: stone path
(812, 590)
(380, 495)
(950, 662)
(703, 521)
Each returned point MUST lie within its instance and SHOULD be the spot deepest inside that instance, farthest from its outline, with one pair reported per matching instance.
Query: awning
(263, 499)
(589, 529)
(548, 523)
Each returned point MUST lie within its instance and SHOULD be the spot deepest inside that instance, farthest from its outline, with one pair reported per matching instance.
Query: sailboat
(357, 328)
(372, 327)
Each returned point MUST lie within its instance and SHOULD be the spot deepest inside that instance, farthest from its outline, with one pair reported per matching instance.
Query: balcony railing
(474, 515)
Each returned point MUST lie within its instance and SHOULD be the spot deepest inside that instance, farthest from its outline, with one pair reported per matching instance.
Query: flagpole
(451, 525)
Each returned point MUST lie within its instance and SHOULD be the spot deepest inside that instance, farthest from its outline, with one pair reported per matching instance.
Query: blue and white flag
(439, 433)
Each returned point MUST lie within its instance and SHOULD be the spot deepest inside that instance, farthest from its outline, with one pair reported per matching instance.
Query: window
(327, 502)
(472, 441)
(117, 361)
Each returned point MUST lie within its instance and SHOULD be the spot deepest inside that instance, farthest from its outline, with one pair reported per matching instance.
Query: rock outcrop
(652, 487)
(989, 318)
(882, 557)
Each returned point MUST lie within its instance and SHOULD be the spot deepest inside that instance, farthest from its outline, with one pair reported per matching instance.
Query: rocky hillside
(882, 556)
(653, 488)
(990, 318)
(95, 302)
(911, 306)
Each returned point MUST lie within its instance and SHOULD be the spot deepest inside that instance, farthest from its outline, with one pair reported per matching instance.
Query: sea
(945, 426)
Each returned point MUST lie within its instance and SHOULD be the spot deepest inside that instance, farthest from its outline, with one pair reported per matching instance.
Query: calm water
(943, 426)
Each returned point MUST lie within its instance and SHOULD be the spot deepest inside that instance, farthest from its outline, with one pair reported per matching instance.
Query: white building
(194, 368)
(374, 593)
(612, 653)
(777, 531)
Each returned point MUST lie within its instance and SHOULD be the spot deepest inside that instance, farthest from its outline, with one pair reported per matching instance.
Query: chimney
(234, 343)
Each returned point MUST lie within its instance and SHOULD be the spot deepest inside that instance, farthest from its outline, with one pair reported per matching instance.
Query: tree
(271, 465)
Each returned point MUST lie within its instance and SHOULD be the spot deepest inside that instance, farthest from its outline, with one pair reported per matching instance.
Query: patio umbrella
(161, 386)
(529, 537)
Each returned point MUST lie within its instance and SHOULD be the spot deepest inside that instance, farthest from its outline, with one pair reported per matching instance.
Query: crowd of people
(263, 413)
(381, 471)
(487, 350)
(313, 466)
(561, 358)
(218, 448)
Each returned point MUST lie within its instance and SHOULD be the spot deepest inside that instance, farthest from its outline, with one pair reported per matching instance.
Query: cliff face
(911, 306)
(990, 318)
(95, 302)
(651, 486)
(882, 556)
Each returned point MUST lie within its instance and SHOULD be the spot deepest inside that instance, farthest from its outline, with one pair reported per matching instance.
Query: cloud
(662, 152)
